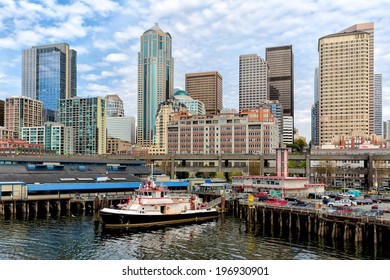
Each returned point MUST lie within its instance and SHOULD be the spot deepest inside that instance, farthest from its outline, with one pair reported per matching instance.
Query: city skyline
(206, 36)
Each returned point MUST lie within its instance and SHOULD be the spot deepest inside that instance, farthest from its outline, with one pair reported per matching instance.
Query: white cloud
(91, 77)
(117, 57)
(208, 35)
(84, 68)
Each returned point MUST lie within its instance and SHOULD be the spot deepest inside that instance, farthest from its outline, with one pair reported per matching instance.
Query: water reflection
(84, 237)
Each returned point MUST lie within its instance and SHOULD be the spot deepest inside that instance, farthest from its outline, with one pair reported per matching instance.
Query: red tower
(281, 162)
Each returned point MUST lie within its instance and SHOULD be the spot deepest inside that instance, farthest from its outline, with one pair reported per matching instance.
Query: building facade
(49, 73)
(345, 98)
(194, 107)
(221, 134)
(166, 110)
(118, 146)
(22, 147)
(53, 136)
(288, 130)
(280, 61)
(207, 88)
(268, 111)
(386, 130)
(155, 80)
(378, 104)
(314, 112)
(367, 27)
(22, 112)
(87, 117)
(122, 128)
(253, 81)
(2, 107)
(114, 106)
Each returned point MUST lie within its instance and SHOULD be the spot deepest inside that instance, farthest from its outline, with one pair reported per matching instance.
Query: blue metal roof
(97, 186)
(82, 186)
(173, 184)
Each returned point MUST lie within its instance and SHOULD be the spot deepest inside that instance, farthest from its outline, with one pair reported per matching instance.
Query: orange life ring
(168, 208)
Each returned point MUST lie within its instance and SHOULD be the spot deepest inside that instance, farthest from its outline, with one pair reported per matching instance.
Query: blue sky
(208, 35)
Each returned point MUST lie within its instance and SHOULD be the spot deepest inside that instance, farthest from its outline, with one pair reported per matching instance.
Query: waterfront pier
(54, 205)
(308, 221)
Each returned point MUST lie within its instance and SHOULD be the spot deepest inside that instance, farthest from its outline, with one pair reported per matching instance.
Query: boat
(153, 205)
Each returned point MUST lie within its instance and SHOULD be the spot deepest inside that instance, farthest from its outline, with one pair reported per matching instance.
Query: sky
(207, 35)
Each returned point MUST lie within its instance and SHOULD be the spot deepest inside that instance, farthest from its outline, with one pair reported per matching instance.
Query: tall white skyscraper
(345, 84)
(253, 81)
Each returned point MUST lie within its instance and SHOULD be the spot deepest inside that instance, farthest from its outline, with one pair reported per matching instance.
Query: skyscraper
(155, 80)
(207, 88)
(253, 81)
(368, 28)
(280, 61)
(281, 66)
(114, 106)
(314, 112)
(87, 117)
(194, 107)
(21, 112)
(49, 73)
(378, 104)
(122, 128)
(345, 84)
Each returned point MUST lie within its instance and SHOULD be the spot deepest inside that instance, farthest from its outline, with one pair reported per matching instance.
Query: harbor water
(83, 237)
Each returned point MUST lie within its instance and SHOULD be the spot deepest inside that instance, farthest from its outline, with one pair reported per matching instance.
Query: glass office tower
(155, 80)
(49, 73)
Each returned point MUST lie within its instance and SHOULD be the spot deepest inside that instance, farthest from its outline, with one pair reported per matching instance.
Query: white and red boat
(153, 205)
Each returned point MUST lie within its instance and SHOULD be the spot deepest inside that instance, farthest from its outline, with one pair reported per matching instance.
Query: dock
(58, 205)
(313, 221)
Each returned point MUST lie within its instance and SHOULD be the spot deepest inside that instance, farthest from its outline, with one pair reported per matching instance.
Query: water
(82, 237)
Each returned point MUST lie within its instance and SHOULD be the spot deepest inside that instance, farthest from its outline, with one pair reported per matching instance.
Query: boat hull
(122, 219)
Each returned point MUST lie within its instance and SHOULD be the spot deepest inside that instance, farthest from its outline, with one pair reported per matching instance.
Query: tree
(298, 146)
(324, 171)
(235, 172)
(219, 175)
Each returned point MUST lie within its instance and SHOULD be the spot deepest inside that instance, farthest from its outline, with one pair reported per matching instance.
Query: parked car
(377, 198)
(316, 195)
(312, 195)
(343, 209)
(299, 203)
(374, 213)
(260, 194)
(383, 209)
(366, 201)
(341, 202)
(263, 198)
(326, 200)
(385, 199)
(291, 198)
(331, 194)
(275, 201)
(359, 211)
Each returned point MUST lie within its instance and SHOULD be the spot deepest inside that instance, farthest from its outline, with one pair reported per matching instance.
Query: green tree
(219, 175)
(235, 172)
